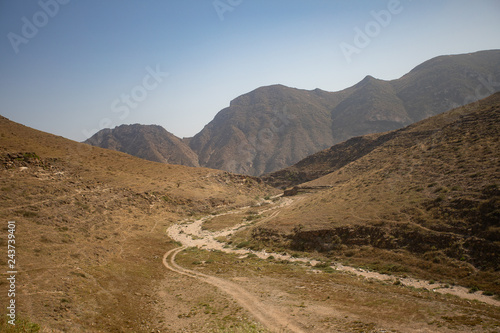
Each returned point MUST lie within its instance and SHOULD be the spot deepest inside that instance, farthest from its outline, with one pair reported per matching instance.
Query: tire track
(271, 318)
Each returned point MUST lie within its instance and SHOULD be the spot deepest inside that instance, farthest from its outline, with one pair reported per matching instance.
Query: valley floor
(278, 292)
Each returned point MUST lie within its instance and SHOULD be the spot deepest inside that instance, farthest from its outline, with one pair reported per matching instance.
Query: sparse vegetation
(21, 326)
(92, 235)
(72, 213)
(391, 213)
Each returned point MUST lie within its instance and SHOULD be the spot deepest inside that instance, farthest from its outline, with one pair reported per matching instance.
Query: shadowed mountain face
(273, 127)
(265, 128)
(150, 142)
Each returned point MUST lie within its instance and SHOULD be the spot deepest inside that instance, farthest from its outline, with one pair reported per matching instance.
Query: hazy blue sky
(72, 67)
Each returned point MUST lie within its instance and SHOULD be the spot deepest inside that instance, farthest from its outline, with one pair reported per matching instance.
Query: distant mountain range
(274, 127)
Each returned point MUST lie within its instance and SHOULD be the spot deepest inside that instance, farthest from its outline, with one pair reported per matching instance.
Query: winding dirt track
(268, 316)
(191, 235)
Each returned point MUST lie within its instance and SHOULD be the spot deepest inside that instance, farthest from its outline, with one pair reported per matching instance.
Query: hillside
(327, 161)
(100, 234)
(274, 127)
(150, 142)
(90, 229)
(423, 200)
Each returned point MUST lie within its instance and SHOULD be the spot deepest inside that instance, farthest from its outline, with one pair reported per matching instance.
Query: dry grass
(218, 223)
(91, 229)
(91, 235)
(437, 181)
(333, 301)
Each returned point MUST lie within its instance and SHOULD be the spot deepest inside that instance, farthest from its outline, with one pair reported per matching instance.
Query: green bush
(243, 244)
(473, 289)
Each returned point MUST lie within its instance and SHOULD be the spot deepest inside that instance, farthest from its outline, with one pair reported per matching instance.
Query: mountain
(328, 160)
(424, 199)
(273, 127)
(246, 136)
(150, 142)
(95, 238)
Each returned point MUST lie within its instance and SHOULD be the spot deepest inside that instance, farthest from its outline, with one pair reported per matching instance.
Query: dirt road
(191, 234)
(269, 317)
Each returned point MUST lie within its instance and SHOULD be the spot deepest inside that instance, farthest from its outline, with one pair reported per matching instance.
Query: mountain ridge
(317, 119)
(273, 127)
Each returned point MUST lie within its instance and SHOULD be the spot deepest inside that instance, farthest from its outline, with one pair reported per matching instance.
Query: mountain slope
(273, 127)
(245, 136)
(91, 245)
(449, 81)
(150, 142)
(372, 107)
(424, 199)
(327, 161)
(90, 231)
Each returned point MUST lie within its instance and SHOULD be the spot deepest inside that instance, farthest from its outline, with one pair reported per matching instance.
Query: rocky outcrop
(480, 252)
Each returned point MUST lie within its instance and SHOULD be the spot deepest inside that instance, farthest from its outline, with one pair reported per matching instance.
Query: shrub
(243, 244)
(473, 289)
(323, 264)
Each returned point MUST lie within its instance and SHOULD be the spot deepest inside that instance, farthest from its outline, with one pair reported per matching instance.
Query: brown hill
(90, 230)
(424, 199)
(150, 142)
(273, 127)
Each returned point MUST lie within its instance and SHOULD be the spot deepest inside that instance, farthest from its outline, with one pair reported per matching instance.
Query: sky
(71, 67)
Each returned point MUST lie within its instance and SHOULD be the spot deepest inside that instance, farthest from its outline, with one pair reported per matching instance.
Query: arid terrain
(246, 166)
(91, 229)
(107, 242)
